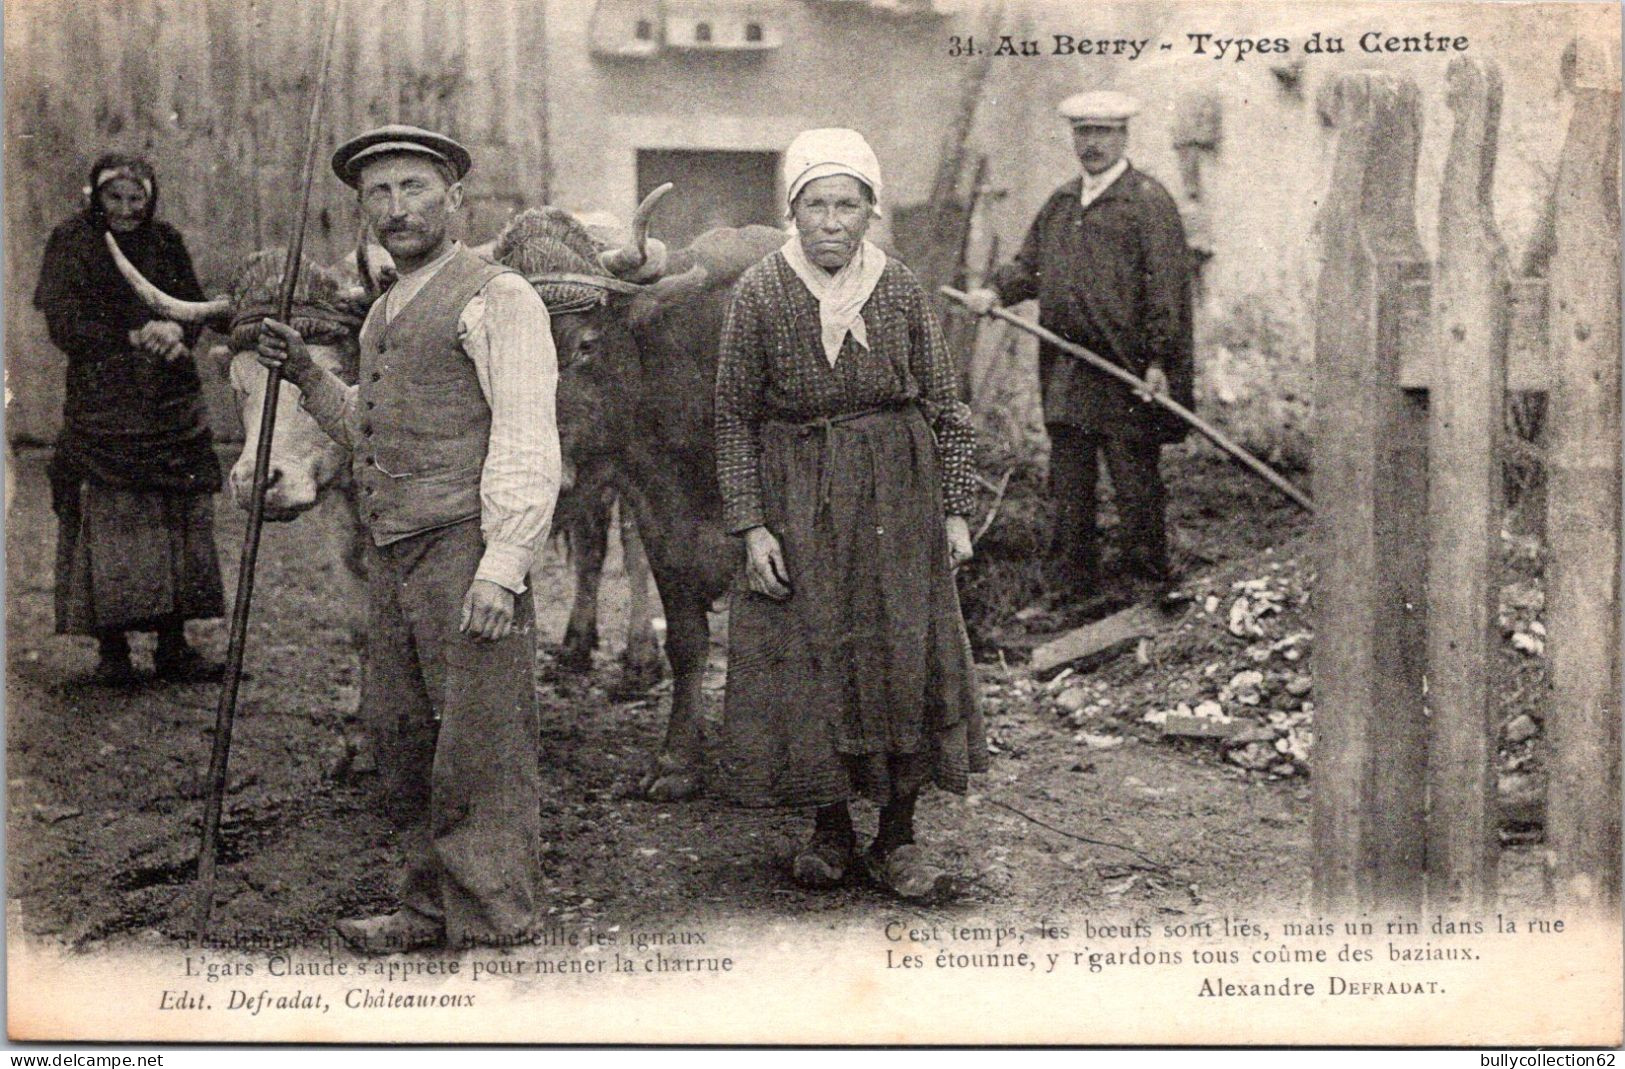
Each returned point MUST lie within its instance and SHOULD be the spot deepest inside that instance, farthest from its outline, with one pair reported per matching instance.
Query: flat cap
(347, 161)
(1101, 107)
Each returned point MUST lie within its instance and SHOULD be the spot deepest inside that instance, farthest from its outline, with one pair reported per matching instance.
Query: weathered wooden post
(1583, 517)
(1467, 386)
(1370, 491)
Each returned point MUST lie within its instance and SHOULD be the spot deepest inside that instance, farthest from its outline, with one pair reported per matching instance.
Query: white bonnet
(818, 154)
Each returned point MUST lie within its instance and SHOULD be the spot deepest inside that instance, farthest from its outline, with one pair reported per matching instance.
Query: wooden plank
(1368, 821)
(1583, 518)
(1200, 727)
(43, 171)
(1470, 305)
(1100, 637)
(523, 66)
(1528, 361)
(1528, 366)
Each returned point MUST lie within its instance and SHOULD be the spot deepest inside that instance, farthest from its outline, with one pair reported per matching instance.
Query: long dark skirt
(861, 682)
(134, 560)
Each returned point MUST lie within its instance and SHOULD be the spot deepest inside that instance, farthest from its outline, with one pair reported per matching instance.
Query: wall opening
(713, 188)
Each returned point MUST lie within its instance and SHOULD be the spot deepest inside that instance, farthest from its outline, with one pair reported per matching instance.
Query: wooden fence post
(1583, 517)
(1467, 387)
(1370, 491)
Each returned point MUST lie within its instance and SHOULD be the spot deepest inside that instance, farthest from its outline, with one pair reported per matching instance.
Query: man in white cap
(1107, 261)
(456, 457)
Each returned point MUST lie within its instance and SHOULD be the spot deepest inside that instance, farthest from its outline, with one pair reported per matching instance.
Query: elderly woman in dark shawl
(845, 460)
(134, 471)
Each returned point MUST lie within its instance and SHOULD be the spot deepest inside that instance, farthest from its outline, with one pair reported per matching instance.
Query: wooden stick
(1153, 864)
(226, 711)
(1212, 433)
(993, 511)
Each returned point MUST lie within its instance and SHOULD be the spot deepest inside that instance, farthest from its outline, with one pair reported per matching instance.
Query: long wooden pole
(226, 711)
(1212, 433)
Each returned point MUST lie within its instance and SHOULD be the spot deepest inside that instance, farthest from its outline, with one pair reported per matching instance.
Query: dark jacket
(1115, 278)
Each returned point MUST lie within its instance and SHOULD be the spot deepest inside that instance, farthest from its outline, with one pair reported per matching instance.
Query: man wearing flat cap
(1107, 261)
(456, 458)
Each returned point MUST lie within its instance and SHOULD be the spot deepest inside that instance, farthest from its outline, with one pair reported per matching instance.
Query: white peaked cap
(1101, 107)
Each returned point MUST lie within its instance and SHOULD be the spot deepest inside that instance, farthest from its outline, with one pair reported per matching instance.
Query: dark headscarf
(118, 165)
(130, 418)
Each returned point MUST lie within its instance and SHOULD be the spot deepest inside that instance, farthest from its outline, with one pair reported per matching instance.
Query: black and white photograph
(813, 522)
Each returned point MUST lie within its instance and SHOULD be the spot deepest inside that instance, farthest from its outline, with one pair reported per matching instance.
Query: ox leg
(640, 662)
(588, 536)
(679, 771)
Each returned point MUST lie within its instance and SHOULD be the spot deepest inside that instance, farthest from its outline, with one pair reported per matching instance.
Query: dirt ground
(105, 788)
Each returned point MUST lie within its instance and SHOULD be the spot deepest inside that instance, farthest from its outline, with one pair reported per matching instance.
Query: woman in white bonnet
(845, 460)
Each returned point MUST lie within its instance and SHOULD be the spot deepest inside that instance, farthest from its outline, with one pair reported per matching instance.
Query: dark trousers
(1141, 501)
(458, 734)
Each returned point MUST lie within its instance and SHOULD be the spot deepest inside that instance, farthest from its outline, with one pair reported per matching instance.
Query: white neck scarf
(840, 296)
(1096, 184)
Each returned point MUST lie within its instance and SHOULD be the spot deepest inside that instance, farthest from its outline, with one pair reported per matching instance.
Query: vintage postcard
(813, 522)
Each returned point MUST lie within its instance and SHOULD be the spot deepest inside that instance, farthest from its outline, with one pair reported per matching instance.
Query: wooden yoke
(1370, 489)
(1583, 473)
(1467, 386)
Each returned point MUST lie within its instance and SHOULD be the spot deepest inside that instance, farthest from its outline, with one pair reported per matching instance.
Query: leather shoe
(391, 933)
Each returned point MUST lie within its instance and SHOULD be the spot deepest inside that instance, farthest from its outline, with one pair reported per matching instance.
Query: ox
(310, 473)
(328, 308)
(637, 370)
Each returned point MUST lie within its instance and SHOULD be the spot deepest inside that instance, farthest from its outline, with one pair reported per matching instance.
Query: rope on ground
(1151, 864)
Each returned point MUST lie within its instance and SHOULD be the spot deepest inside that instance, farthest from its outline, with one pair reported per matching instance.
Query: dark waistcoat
(424, 424)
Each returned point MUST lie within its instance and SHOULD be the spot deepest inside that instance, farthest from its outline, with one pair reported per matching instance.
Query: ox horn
(169, 307)
(634, 253)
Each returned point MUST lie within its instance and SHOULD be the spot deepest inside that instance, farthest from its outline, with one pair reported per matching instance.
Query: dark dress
(134, 470)
(861, 682)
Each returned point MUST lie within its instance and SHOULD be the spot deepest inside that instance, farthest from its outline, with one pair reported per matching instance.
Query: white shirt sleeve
(333, 405)
(506, 333)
